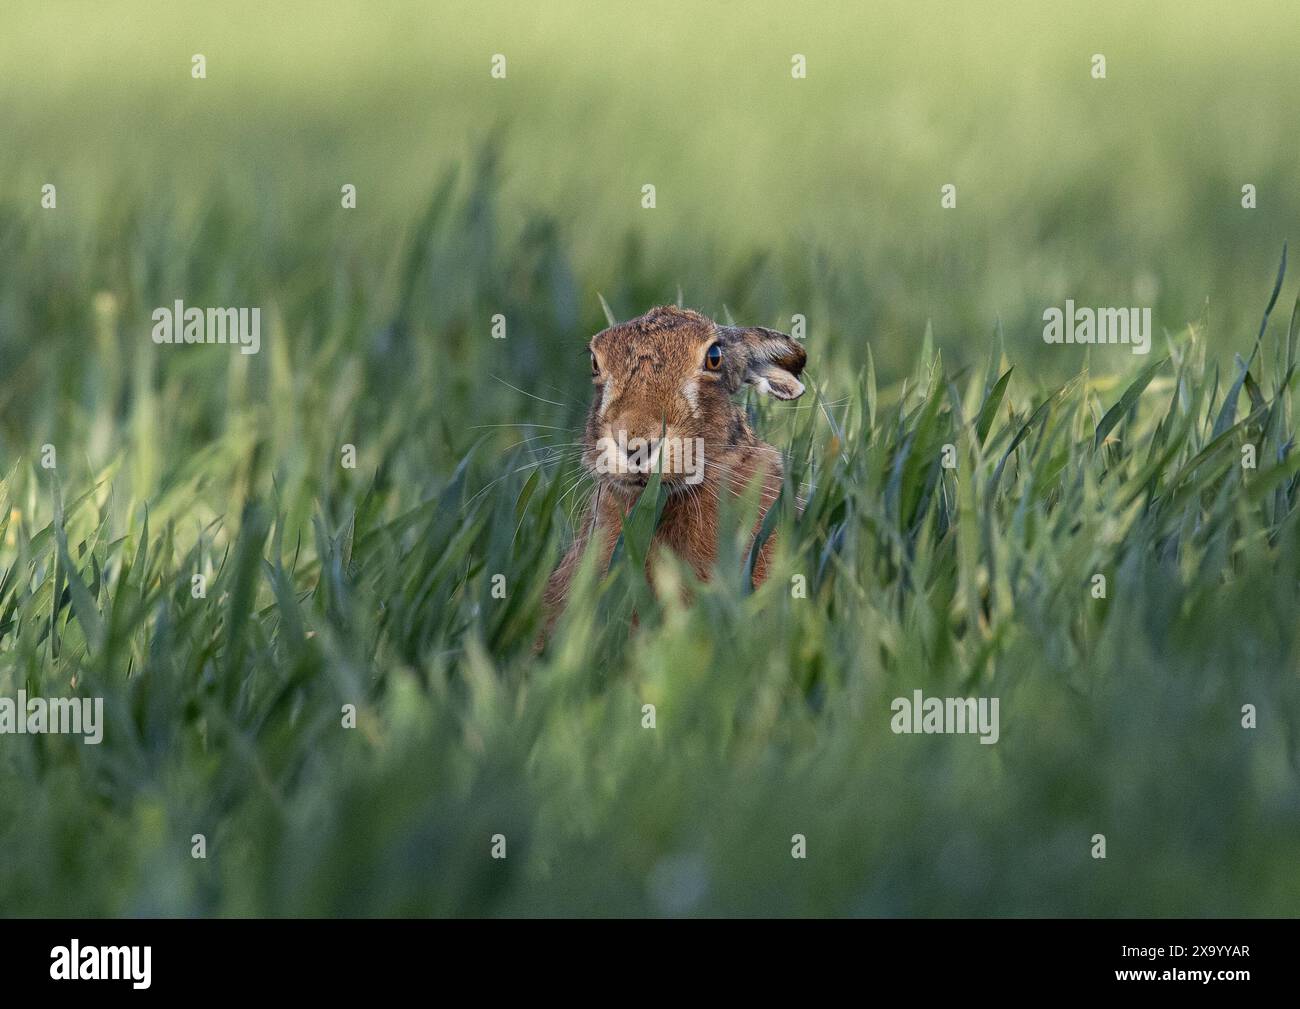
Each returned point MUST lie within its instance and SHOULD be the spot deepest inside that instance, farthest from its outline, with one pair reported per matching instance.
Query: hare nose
(644, 457)
(638, 453)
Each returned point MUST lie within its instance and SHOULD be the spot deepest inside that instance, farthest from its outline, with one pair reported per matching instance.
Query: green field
(371, 586)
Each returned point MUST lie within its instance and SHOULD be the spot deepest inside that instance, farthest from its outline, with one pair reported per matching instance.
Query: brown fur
(646, 368)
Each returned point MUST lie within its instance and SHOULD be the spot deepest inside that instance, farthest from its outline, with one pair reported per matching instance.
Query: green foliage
(328, 586)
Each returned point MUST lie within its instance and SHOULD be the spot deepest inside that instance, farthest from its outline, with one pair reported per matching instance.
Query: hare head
(663, 387)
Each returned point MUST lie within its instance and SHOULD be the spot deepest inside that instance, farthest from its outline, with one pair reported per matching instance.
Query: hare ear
(770, 361)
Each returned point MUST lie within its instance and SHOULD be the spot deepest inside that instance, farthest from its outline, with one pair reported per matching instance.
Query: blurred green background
(521, 196)
(1115, 192)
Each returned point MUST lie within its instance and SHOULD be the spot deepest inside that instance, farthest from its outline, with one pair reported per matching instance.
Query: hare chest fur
(662, 400)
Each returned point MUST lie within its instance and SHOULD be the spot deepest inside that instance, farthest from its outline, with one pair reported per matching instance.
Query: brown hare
(663, 387)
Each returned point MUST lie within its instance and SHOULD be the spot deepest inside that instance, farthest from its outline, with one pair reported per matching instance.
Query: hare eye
(595, 368)
(713, 357)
